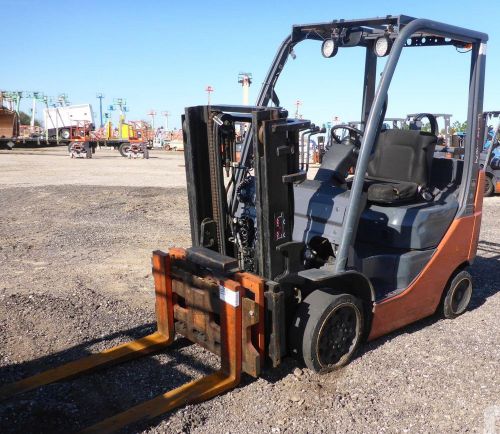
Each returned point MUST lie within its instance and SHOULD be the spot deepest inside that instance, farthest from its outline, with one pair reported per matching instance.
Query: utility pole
(209, 89)
(62, 98)
(166, 114)
(47, 100)
(100, 96)
(245, 79)
(13, 99)
(297, 104)
(36, 96)
(122, 106)
(152, 113)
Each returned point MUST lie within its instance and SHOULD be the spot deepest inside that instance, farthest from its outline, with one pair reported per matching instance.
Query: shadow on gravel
(10, 373)
(69, 406)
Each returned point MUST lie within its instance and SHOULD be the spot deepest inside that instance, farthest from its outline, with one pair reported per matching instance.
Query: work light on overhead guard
(329, 48)
(382, 46)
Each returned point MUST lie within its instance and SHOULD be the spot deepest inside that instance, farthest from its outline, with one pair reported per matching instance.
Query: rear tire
(457, 295)
(489, 188)
(124, 149)
(327, 330)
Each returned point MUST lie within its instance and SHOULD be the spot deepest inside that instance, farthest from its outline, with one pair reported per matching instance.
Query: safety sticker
(228, 296)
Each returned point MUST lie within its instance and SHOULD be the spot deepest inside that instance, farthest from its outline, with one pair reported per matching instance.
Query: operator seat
(400, 167)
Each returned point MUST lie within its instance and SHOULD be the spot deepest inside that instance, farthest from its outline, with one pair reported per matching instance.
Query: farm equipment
(81, 143)
(132, 139)
(490, 155)
(137, 145)
(285, 265)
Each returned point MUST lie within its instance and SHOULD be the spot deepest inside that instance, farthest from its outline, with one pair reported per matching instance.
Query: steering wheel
(432, 122)
(354, 137)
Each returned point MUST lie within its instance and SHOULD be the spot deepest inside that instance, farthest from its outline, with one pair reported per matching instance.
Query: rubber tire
(447, 308)
(489, 188)
(122, 148)
(308, 322)
(146, 153)
(64, 134)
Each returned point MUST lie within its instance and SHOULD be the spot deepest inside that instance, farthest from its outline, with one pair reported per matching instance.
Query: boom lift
(282, 264)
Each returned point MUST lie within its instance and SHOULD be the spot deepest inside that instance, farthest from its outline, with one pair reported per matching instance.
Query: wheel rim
(338, 335)
(461, 296)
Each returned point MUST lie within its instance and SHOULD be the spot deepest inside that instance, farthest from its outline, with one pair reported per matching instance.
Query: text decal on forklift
(279, 226)
(228, 296)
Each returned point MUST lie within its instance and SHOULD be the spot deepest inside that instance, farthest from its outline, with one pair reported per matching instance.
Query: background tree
(25, 119)
(458, 127)
(426, 127)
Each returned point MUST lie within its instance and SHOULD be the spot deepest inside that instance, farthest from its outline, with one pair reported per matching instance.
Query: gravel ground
(75, 245)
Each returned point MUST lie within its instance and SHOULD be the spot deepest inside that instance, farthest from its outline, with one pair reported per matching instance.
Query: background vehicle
(9, 123)
(490, 155)
(59, 120)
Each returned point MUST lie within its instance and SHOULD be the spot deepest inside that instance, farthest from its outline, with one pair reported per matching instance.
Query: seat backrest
(446, 172)
(403, 155)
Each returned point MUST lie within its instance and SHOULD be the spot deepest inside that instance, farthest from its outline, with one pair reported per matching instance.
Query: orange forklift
(286, 264)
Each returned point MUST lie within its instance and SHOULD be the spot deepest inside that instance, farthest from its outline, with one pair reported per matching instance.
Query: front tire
(457, 295)
(65, 134)
(125, 149)
(327, 330)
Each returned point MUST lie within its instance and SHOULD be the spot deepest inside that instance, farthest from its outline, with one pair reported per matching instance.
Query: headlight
(382, 46)
(329, 48)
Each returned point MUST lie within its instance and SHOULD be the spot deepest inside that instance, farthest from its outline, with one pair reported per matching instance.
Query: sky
(161, 55)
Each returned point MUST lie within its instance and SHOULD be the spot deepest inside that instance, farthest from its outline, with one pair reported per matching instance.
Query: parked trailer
(59, 120)
(11, 134)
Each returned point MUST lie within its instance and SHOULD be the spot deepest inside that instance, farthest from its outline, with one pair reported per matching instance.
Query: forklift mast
(209, 152)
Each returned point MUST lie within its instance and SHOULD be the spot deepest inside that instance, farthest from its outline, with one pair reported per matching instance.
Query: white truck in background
(59, 120)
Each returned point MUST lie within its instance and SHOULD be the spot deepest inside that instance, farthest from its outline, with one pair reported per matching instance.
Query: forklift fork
(233, 340)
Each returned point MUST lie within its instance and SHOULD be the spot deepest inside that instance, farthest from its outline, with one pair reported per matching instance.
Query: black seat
(400, 167)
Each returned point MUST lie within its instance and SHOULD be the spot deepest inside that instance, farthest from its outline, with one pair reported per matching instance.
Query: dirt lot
(75, 245)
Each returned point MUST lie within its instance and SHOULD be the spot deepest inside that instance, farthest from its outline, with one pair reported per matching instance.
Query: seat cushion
(420, 225)
(392, 192)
